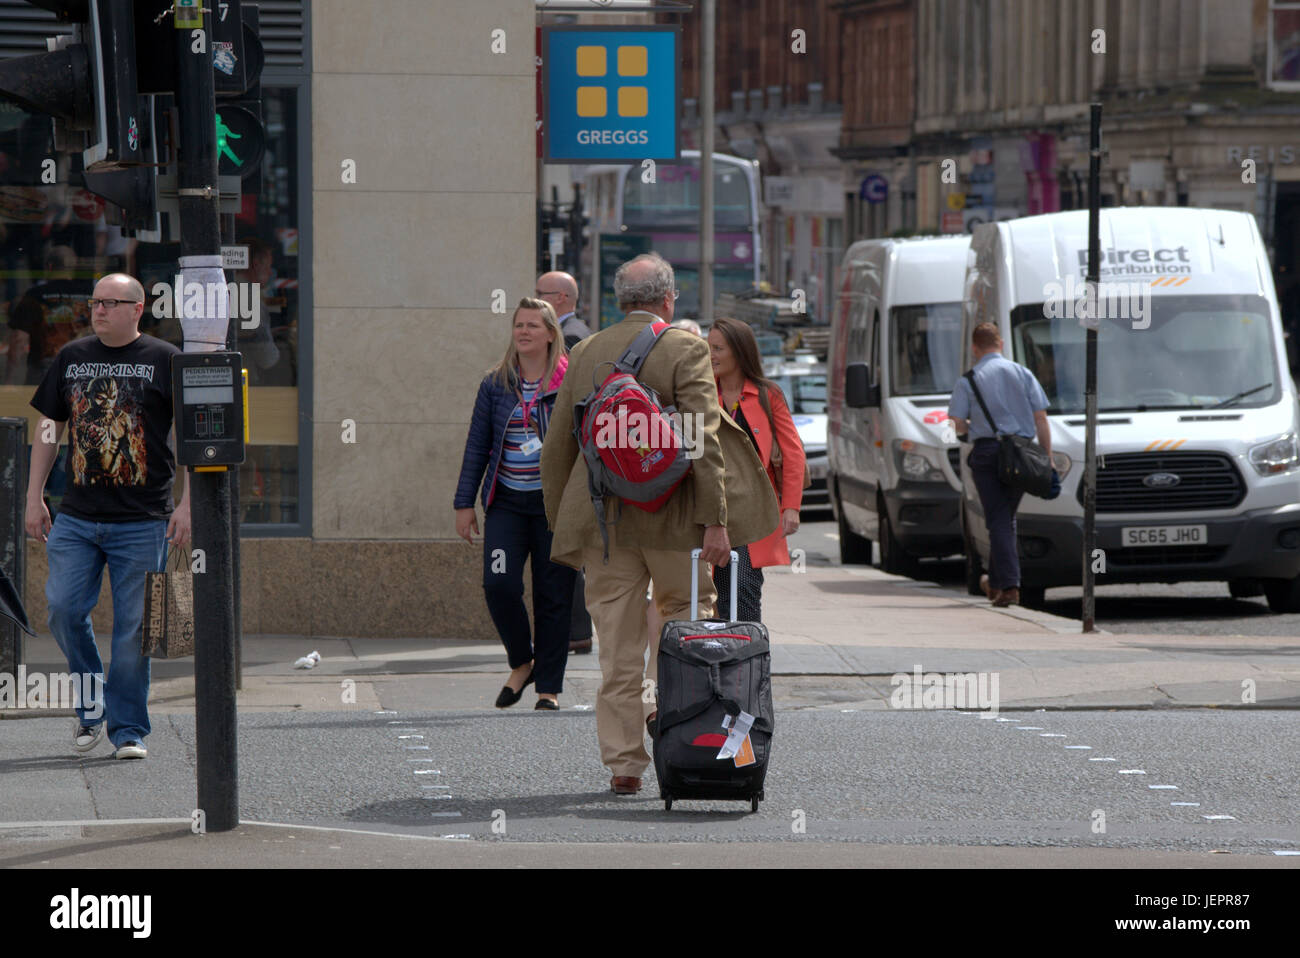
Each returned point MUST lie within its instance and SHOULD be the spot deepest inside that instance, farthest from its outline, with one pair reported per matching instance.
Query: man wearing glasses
(561, 291)
(114, 389)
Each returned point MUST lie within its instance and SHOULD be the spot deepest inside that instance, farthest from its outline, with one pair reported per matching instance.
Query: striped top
(521, 470)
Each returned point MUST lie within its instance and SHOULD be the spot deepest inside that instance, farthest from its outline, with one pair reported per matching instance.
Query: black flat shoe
(546, 705)
(509, 696)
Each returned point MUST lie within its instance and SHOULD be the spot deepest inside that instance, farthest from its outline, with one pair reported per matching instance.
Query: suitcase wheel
(753, 803)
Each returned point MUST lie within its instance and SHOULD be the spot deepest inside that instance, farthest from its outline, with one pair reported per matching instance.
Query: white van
(895, 353)
(1198, 472)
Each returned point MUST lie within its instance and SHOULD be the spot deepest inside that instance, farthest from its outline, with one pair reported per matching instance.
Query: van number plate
(1163, 535)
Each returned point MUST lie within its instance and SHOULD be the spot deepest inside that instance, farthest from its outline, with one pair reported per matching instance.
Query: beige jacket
(726, 485)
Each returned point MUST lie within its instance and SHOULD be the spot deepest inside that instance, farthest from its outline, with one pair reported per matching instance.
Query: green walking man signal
(224, 135)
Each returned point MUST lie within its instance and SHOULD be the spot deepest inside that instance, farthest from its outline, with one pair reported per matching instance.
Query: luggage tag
(530, 446)
(737, 746)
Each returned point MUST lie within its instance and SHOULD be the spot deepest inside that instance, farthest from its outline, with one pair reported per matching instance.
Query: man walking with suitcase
(714, 507)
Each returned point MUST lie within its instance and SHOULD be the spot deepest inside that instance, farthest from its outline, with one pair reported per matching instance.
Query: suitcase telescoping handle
(695, 582)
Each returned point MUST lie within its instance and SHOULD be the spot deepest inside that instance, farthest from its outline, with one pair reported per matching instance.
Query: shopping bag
(169, 611)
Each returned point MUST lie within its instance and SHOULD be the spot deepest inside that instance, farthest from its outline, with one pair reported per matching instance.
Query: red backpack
(633, 444)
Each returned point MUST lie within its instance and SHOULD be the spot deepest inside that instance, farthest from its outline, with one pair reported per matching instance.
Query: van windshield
(805, 395)
(927, 348)
(1199, 351)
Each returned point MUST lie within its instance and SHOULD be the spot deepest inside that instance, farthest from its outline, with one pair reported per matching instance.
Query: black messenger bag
(1023, 465)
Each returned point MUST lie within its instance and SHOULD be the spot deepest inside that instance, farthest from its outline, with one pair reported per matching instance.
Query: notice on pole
(234, 257)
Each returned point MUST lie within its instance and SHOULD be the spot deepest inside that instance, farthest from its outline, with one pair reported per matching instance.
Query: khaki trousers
(617, 603)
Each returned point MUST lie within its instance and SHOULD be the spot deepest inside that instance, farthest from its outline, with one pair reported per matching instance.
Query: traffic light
(86, 82)
(241, 137)
(577, 226)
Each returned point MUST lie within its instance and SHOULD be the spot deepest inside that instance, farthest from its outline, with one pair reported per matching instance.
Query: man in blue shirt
(1018, 405)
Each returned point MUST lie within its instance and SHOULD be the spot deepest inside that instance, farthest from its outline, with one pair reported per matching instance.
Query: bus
(629, 216)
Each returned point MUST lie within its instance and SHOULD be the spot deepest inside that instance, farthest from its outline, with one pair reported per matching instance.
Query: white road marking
(1089, 747)
(1173, 787)
(1103, 760)
(1029, 728)
(1132, 771)
(1187, 804)
(1218, 818)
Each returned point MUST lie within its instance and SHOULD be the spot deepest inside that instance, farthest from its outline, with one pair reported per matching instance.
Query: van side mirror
(859, 391)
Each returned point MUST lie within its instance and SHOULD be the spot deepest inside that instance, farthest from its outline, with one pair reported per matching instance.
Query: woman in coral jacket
(758, 406)
(510, 419)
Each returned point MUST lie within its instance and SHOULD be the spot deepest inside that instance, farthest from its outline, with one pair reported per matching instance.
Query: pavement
(844, 639)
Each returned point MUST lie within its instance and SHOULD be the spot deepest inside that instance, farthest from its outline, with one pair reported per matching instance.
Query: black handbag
(1023, 465)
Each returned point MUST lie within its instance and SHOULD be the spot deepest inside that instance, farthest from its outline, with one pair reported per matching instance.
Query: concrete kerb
(1053, 623)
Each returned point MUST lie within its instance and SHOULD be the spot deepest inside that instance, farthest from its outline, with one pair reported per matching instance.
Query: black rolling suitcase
(708, 669)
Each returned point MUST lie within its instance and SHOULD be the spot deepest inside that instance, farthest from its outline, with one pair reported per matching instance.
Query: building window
(1284, 45)
(55, 242)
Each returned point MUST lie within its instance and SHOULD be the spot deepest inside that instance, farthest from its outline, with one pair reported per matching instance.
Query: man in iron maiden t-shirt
(113, 391)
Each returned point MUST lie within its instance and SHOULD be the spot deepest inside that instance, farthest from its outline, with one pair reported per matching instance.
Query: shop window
(55, 241)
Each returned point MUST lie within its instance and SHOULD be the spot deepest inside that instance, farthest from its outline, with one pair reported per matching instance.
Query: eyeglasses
(549, 292)
(109, 303)
(676, 293)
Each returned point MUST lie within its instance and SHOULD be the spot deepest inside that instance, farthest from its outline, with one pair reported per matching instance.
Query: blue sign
(611, 94)
(874, 188)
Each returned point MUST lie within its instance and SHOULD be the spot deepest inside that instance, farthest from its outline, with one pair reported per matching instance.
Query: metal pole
(1090, 372)
(214, 640)
(228, 231)
(708, 24)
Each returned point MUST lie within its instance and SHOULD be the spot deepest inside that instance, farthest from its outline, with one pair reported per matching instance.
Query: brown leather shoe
(984, 585)
(625, 785)
(1007, 597)
(580, 646)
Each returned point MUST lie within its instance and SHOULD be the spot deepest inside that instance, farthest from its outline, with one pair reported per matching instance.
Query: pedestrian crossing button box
(208, 401)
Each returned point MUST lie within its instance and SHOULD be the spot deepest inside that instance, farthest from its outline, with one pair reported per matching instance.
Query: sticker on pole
(188, 14)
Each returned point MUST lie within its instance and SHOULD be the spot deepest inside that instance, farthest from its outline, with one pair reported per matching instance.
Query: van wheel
(1245, 588)
(854, 549)
(973, 568)
(1033, 597)
(894, 559)
(1283, 594)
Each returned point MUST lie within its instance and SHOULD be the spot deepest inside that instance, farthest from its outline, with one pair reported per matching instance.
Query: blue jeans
(77, 551)
(1000, 504)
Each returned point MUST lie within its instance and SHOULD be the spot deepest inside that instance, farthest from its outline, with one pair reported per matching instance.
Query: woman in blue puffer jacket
(509, 423)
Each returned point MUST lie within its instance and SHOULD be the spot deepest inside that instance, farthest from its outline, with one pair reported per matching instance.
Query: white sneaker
(87, 737)
(131, 750)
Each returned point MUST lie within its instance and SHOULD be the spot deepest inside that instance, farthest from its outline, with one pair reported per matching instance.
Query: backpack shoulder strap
(970, 375)
(634, 356)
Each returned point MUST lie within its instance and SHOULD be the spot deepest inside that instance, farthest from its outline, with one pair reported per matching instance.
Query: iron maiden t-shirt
(117, 401)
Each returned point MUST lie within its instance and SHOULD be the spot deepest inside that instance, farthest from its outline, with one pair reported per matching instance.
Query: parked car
(804, 387)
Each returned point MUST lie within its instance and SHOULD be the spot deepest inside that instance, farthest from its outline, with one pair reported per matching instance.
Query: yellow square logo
(591, 101)
(633, 61)
(591, 61)
(633, 101)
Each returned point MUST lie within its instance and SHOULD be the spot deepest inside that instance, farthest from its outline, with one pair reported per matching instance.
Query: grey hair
(644, 292)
